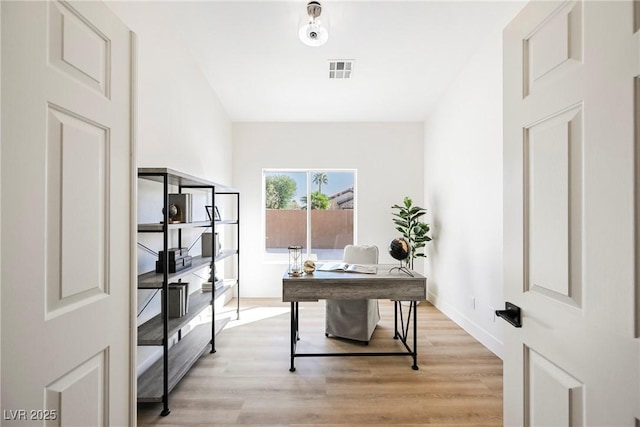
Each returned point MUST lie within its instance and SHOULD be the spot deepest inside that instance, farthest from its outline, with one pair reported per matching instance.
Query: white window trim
(283, 258)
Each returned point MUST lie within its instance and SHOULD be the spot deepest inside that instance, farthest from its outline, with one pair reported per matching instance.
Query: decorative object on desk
(400, 249)
(174, 213)
(216, 214)
(309, 266)
(295, 268)
(414, 231)
(183, 203)
(209, 210)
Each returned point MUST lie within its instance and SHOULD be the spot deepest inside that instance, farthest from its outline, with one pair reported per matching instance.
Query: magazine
(348, 268)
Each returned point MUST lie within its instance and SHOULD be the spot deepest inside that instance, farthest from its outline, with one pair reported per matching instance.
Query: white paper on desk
(349, 268)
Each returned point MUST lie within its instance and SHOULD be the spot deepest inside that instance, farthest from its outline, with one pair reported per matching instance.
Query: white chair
(354, 319)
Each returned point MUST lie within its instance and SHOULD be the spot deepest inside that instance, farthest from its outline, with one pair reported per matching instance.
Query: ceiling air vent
(340, 68)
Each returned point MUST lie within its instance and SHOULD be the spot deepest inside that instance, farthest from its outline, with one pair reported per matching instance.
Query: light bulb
(313, 34)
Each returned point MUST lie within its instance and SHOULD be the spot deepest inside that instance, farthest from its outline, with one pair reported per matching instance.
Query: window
(311, 208)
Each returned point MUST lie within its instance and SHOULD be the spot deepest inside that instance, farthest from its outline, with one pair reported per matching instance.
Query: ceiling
(405, 54)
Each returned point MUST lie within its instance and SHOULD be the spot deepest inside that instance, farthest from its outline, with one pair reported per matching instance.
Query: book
(349, 268)
(178, 299)
(208, 286)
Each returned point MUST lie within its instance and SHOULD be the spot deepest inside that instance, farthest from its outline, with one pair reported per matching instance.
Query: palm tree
(320, 178)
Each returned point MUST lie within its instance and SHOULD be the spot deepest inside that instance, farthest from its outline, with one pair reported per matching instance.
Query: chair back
(360, 254)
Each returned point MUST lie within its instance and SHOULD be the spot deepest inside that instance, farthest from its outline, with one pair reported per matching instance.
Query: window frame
(283, 258)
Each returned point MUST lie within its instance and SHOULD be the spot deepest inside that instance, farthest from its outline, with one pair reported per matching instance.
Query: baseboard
(472, 328)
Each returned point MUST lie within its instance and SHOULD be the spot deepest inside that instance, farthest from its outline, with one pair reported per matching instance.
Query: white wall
(463, 188)
(389, 162)
(180, 125)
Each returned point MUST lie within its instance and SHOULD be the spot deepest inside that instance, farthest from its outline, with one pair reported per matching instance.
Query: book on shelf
(348, 268)
(178, 299)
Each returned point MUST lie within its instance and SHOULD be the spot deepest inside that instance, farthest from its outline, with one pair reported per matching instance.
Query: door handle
(511, 314)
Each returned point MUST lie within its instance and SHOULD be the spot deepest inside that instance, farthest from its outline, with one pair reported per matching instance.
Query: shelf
(181, 179)
(151, 332)
(159, 227)
(225, 254)
(226, 221)
(156, 382)
(181, 357)
(226, 284)
(153, 280)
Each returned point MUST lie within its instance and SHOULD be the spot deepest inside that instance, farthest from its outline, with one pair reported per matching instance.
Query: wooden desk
(396, 286)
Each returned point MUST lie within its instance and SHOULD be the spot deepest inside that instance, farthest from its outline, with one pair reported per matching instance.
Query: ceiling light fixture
(312, 32)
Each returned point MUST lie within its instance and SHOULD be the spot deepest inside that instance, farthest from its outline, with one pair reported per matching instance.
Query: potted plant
(407, 221)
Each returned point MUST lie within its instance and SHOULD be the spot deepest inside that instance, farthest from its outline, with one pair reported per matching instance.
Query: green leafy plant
(318, 201)
(407, 221)
(279, 191)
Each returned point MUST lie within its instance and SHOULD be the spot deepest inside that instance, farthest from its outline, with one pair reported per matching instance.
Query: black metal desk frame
(400, 333)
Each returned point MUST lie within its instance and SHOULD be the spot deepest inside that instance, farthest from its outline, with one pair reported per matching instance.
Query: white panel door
(66, 215)
(571, 215)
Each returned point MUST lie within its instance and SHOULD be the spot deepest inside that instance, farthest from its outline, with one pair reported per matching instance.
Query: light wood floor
(247, 382)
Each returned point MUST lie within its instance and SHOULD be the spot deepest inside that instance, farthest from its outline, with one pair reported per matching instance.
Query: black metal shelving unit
(155, 384)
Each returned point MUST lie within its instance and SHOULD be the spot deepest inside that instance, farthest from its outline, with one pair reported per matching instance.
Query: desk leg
(395, 320)
(294, 333)
(415, 335)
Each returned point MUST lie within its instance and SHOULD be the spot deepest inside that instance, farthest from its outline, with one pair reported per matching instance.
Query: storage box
(174, 267)
(174, 254)
(206, 244)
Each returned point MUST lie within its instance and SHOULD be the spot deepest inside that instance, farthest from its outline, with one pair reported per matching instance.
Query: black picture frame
(209, 210)
(217, 216)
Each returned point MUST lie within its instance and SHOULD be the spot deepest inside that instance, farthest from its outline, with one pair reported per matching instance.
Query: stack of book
(178, 299)
(208, 286)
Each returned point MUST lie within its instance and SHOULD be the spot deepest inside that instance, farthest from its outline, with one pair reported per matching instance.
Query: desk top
(395, 285)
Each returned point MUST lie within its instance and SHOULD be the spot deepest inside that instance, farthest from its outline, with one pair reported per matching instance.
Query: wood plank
(153, 280)
(181, 357)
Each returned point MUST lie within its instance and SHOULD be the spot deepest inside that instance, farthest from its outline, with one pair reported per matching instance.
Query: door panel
(77, 218)
(81, 394)
(555, 397)
(66, 213)
(78, 48)
(553, 182)
(569, 216)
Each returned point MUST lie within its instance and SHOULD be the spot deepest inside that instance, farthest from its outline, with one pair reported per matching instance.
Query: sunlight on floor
(255, 314)
(247, 315)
